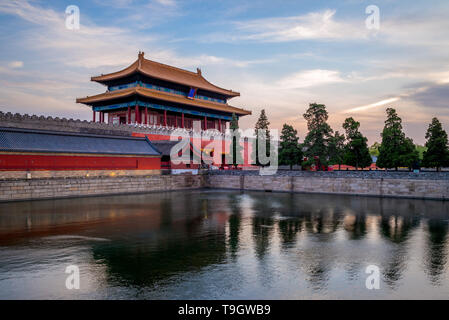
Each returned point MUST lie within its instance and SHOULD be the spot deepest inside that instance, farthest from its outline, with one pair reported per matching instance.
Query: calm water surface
(222, 244)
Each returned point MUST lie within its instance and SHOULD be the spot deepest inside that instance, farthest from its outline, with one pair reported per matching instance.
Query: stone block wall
(383, 187)
(29, 189)
(39, 174)
(59, 187)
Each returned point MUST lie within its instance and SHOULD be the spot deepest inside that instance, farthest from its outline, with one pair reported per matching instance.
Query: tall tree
(356, 150)
(260, 138)
(396, 149)
(235, 143)
(337, 149)
(437, 154)
(290, 152)
(317, 140)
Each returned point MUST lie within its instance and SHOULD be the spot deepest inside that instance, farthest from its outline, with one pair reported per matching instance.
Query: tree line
(324, 146)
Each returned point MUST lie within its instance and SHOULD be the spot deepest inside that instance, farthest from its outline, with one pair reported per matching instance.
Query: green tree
(337, 149)
(356, 150)
(290, 152)
(374, 149)
(235, 143)
(260, 138)
(317, 140)
(421, 150)
(395, 150)
(437, 154)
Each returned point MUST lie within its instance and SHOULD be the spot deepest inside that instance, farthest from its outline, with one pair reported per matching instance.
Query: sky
(280, 55)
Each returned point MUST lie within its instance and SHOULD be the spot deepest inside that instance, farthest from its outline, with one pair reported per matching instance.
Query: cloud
(372, 105)
(15, 64)
(425, 94)
(310, 78)
(94, 47)
(169, 3)
(435, 96)
(312, 26)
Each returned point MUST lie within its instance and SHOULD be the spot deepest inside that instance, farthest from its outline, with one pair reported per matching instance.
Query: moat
(215, 244)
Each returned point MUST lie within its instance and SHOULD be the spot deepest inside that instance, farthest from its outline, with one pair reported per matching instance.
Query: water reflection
(221, 244)
(436, 253)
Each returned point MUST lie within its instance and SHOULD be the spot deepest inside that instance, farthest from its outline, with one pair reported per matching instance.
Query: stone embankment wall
(430, 185)
(39, 174)
(29, 189)
(380, 184)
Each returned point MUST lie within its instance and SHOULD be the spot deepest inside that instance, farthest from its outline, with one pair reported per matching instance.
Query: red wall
(203, 142)
(69, 162)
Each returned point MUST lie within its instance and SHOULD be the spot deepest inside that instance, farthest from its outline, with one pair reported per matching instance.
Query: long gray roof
(28, 140)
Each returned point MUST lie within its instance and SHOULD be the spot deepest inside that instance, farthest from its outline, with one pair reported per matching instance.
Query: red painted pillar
(93, 118)
(219, 125)
(205, 123)
(137, 114)
(165, 118)
(129, 115)
(182, 120)
(146, 115)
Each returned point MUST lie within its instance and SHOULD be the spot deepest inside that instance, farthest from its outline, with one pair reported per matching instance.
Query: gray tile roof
(27, 140)
(164, 146)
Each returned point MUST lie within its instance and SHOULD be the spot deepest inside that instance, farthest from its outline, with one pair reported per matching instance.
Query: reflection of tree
(356, 226)
(397, 228)
(262, 233)
(288, 229)
(144, 264)
(436, 255)
(263, 224)
(318, 273)
(396, 265)
(166, 207)
(234, 224)
(321, 222)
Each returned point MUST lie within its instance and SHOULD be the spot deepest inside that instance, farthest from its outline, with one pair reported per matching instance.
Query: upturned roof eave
(160, 96)
(137, 67)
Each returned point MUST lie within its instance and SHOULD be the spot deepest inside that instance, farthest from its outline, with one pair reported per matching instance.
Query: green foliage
(356, 150)
(317, 139)
(236, 148)
(290, 152)
(437, 154)
(396, 150)
(261, 124)
(374, 149)
(336, 149)
(421, 150)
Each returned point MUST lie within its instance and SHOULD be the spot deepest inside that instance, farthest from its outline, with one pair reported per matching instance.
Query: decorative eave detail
(165, 72)
(150, 93)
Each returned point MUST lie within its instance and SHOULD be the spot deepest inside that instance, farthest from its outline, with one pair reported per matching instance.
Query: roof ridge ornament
(140, 57)
(198, 70)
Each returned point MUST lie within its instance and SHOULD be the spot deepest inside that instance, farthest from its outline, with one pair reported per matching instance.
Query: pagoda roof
(151, 93)
(165, 72)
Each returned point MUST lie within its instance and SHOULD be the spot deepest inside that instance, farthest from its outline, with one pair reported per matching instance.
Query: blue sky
(280, 55)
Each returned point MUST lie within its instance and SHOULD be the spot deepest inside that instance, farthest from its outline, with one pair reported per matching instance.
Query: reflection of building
(152, 93)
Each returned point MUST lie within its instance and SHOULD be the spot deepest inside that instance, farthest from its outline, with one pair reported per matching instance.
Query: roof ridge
(171, 67)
